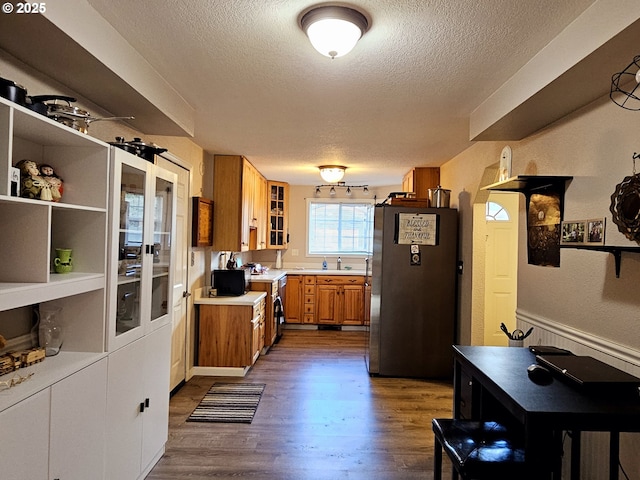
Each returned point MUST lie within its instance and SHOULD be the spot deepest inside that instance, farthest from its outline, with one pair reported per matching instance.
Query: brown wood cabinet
(420, 180)
(278, 214)
(294, 300)
(270, 327)
(326, 299)
(239, 205)
(340, 299)
(230, 335)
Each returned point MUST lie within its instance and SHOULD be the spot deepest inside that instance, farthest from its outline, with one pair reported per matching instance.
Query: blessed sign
(417, 229)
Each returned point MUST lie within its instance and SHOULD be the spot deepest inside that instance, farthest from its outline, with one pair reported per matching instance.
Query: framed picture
(595, 231)
(573, 232)
(202, 228)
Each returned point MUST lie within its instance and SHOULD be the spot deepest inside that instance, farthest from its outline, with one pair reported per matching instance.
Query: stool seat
(479, 450)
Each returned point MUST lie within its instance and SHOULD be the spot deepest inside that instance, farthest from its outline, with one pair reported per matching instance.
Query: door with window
(501, 266)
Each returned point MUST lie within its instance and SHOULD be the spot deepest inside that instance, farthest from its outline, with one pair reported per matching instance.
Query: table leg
(614, 454)
(575, 455)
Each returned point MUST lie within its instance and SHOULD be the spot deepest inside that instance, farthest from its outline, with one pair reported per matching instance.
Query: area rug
(229, 403)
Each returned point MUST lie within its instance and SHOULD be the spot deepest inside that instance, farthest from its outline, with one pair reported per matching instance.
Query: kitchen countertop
(248, 299)
(319, 271)
(273, 275)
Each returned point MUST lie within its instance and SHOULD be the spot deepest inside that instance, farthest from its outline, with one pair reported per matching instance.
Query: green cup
(63, 262)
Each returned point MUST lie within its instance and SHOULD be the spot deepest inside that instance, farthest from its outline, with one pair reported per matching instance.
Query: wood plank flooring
(321, 417)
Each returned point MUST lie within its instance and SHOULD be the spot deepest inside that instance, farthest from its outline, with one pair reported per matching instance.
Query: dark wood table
(493, 381)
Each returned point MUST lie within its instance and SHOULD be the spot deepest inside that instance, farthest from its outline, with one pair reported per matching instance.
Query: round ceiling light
(332, 173)
(333, 30)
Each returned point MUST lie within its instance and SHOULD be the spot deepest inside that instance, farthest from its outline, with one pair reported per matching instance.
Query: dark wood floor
(321, 417)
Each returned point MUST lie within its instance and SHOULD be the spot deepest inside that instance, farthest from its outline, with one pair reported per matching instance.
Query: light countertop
(248, 299)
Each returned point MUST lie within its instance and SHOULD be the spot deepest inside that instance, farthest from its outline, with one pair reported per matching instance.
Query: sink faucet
(339, 267)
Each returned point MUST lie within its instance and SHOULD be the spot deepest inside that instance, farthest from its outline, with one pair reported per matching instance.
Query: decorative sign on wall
(417, 229)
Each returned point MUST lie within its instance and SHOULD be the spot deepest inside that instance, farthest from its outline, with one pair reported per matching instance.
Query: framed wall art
(573, 232)
(202, 227)
(595, 231)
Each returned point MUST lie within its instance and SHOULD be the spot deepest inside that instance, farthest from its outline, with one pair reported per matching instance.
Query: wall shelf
(528, 184)
(616, 251)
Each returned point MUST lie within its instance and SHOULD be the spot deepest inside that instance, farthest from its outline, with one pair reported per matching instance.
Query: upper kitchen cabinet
(420, 179)
(278, 214)
(239, 205)
(142, 248)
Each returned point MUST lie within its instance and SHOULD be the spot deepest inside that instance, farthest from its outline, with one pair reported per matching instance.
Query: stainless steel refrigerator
(413, 292)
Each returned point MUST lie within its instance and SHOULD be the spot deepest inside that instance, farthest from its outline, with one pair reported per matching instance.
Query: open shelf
(616, 251)
(530, 183)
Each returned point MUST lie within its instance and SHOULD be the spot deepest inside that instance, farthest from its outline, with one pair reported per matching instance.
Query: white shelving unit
(33, 229)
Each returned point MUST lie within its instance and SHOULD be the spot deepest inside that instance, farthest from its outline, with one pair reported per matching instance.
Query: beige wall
(581, 305)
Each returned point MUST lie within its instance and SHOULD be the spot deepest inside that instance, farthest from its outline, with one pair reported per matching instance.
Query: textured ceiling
(401, 98)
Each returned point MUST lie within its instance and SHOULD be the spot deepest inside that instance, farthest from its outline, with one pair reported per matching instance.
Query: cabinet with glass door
(278, 214)
(141, 248)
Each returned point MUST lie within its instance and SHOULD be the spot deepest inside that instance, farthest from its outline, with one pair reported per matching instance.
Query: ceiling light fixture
(348, 192)
(334, 30)
(625, 86)
(332, 173)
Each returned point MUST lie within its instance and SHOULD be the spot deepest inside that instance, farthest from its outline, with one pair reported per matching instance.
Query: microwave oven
(231, 283)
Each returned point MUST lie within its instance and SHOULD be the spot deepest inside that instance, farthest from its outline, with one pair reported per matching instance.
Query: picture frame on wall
(595, 231)
(573, 232)
(202, 226)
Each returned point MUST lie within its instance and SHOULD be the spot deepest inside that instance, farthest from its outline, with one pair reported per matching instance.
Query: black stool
(478, 450)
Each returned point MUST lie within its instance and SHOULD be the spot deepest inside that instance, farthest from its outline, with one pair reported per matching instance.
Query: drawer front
(309, 280)
(340, 280)
(308, 318)
(308, 308)
(309, 289)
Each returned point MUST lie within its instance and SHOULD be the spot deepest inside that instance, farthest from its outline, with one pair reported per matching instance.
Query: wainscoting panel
(595, 445)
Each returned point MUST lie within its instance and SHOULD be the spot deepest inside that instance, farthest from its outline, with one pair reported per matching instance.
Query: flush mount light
(334, 30)
(332, 173)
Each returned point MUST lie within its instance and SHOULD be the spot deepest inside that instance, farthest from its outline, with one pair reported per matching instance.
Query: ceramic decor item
(63, 262)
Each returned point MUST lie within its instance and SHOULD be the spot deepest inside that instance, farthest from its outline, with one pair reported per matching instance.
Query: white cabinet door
(125, 392)
(25, 438)
(78, 407)
(138, 405)
(157, 365)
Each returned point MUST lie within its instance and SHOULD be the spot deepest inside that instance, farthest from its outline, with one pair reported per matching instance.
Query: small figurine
(54, 181)
(31, 183)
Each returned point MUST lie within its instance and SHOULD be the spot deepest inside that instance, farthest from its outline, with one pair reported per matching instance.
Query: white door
(180, 273)
(501, 266)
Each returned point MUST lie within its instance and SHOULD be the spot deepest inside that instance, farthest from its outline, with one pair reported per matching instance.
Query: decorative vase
(50, 329)
(63, 262)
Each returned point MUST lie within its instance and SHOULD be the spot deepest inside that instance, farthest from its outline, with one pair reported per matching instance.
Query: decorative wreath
(625, 206)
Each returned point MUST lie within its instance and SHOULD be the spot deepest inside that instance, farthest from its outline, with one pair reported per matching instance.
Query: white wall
(581, 305)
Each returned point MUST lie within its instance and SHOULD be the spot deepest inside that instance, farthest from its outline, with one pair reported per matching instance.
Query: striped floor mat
(229, 403)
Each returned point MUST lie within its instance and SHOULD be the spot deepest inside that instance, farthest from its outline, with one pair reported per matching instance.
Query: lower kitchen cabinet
(138, 405)
(231, 335)
(272, 289)
(58, 433)
(340, 299)
(293, 307)
(326, 299)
